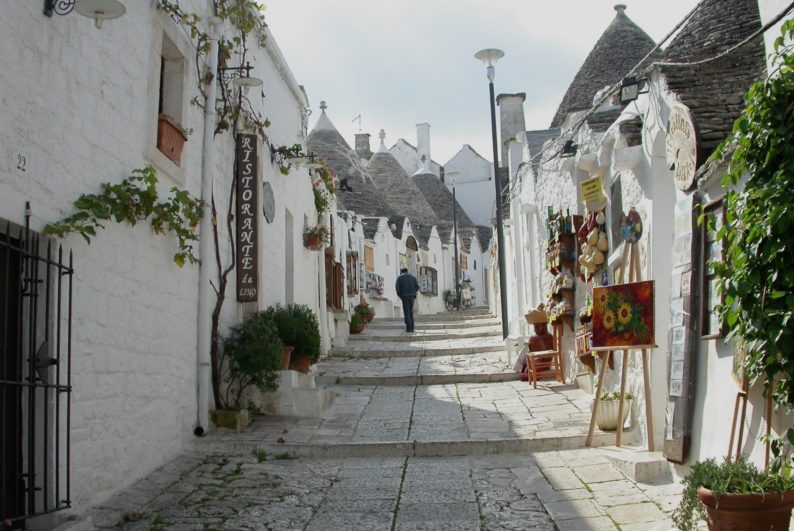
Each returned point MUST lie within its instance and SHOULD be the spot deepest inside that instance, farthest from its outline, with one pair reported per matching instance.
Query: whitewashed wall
(408, 157)
(474, 187)
(82, 110)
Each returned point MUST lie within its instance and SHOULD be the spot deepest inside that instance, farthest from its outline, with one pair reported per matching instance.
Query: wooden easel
(631, 257)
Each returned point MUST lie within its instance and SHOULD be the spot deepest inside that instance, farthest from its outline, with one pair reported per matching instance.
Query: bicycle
(454, 300)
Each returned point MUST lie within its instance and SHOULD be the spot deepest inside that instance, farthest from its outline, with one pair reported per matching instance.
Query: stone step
(383, 324)
(417, 370)
(440, 317)
(392, 350)
(413, 420)
(440, 448)
(399, 335)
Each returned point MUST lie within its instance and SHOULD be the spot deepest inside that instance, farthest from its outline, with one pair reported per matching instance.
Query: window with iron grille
(35, 376)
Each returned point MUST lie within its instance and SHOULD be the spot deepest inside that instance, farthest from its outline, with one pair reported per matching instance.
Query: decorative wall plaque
(247, 215)
(268, 202)
(681, 146)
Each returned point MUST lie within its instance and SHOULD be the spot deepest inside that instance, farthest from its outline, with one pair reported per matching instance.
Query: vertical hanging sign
(247, 207)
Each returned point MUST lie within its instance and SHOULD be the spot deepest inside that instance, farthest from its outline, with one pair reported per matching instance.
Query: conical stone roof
(622, 45)
(360, 195)
(440, 200)
(398, 188)
(714, 91)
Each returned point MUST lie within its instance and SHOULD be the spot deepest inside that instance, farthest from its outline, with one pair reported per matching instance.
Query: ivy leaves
(757, 276)
(134, 200)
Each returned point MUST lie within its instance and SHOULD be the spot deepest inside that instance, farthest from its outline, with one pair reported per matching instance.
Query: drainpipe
(205, 235)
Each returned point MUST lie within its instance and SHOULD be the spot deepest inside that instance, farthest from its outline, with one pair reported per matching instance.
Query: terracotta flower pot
(748, 512)
(356, 329)
(170, 139)
(300, 363)
(315, 243)
(286, 354)
(608, 413)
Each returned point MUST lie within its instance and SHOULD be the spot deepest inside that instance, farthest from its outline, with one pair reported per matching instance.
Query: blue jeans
(408, 311)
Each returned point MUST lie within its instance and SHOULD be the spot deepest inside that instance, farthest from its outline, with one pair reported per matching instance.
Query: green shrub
(357, 322)
(364, 310)
(298, 327)
(726, 477)
(253, 349)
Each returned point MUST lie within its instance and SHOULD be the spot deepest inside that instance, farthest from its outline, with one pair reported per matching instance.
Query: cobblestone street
(572, 489)
(426, 431)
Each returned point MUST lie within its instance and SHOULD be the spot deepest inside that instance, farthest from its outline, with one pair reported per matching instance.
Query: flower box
(170, 138)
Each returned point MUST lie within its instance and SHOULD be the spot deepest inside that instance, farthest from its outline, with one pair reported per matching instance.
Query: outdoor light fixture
(489, 57)
(99, 10)
(629, 89)
(568, 149)
(238, 79)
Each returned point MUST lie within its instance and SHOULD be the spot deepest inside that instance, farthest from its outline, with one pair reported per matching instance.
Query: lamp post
(489, 56)
(453, 174)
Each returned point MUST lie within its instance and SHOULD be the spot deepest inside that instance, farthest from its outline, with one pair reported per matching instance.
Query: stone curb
(451, 316)
(418, 379)
(419, 353)
(425, 325)
(413, 448)
(407, 338)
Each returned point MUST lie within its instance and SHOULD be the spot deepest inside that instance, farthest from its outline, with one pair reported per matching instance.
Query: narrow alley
(427, 431)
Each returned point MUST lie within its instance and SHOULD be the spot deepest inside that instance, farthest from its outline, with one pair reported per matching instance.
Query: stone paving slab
(422, 334)
(481, 368)
(367, 348)
(201, 491)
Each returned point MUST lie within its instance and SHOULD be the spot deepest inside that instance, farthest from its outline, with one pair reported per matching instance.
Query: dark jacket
(407, 285)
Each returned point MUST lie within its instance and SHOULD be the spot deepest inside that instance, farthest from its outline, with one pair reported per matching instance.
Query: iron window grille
(35, 375)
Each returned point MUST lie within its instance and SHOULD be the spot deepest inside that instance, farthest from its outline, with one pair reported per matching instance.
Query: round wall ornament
(268, 202)
(681, 146)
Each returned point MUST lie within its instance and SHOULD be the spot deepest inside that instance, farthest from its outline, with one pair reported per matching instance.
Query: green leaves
(757, 276)
(133, 200)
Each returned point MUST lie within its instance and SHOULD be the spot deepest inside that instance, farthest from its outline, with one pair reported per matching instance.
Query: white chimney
(423, 147)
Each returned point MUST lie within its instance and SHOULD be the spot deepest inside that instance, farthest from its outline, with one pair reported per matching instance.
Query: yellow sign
(591, 190)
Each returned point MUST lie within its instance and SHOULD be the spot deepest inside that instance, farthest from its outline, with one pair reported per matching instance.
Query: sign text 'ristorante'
(247, 207)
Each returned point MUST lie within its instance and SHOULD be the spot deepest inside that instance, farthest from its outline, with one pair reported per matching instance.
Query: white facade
(409, 157)
(82, 110)
(474, 185)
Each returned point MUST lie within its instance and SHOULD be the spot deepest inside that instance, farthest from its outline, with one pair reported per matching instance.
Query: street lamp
(489, 57)
(453, 174)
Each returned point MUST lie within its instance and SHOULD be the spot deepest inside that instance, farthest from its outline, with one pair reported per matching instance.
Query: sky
(397, 63)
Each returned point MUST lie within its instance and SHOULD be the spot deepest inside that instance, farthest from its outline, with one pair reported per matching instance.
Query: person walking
(407, 287)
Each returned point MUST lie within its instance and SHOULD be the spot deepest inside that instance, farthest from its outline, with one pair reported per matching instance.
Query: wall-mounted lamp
(99, 10)
(568, 149)
(238, 79)
(630, 89)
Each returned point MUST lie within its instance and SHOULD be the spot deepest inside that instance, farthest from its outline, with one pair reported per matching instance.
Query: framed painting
(623, 316)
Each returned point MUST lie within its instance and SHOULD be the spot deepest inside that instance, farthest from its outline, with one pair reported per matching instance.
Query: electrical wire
(571, 132)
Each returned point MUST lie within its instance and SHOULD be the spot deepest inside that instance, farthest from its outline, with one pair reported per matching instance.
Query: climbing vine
(757, 275)
(323, 186)
(247, 19)
(134, 200)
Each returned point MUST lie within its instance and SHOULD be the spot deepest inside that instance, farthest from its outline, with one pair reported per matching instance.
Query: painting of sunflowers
(623, 316)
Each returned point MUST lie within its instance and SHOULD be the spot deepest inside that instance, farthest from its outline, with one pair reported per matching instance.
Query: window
(171, 131)
(352, 273)
(464, 262)
(710, 325)
(475, 265)
(428, 280)
(334, 282)
(369, 258)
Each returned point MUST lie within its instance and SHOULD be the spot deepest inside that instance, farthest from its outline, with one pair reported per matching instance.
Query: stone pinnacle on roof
(358, 188)
(621, 47)
(382, 147)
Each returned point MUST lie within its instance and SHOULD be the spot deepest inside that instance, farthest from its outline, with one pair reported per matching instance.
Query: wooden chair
(547, 364)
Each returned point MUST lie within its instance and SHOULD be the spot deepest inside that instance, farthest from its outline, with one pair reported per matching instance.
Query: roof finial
(620, 8)
(382, 147)
(323, 106)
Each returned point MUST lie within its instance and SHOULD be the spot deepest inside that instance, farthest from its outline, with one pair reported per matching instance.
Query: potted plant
(734, 495)
(297, 327)
(609, 409)
(171, 138)
(364, 310)
(315, 237)
(253, 354)
(357, 324)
